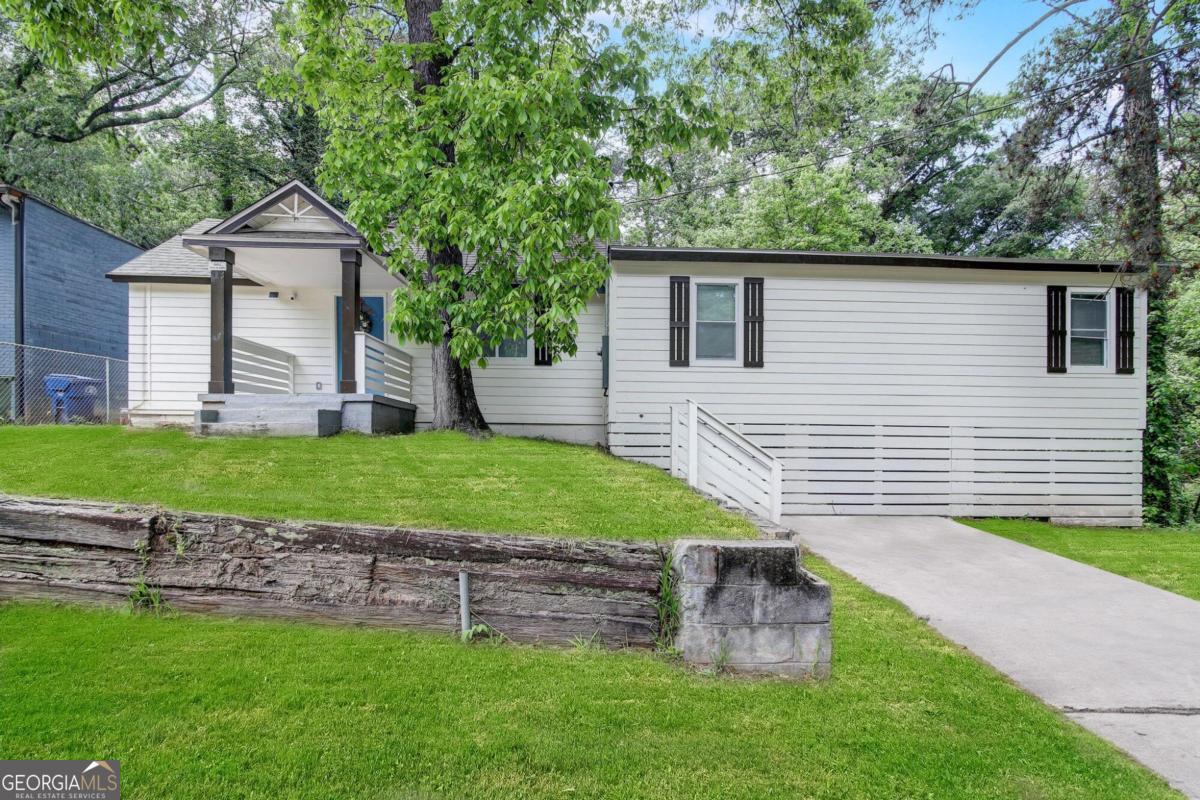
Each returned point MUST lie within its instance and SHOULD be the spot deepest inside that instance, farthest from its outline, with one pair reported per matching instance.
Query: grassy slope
(436, 480)
(197, 708)
(1168, 559)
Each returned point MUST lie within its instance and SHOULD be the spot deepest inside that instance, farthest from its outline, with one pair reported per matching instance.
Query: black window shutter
(680, 320)
(1124, 320)
(542, 355)
(752, 322)
(1056, 329)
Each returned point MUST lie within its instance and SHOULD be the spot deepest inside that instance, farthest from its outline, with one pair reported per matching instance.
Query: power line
(819, 161)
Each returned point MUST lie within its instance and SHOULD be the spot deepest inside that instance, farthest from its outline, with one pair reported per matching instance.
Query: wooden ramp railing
(719, 461)
(382, 369)
(260, 369)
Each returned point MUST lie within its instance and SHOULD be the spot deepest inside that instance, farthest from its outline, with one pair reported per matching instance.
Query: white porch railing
(259, 369)
(381, 368)
(717, 460)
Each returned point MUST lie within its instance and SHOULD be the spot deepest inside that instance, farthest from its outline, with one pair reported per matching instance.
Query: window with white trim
(516, 349)
(715, 315)
(1089, 327)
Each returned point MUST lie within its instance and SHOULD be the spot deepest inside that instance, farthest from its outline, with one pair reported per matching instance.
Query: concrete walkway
(1119, 657)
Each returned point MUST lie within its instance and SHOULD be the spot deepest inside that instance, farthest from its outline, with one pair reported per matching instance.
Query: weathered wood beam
(529, 589)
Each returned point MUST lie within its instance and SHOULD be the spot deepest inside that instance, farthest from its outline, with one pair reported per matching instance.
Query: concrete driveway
(1119, 657)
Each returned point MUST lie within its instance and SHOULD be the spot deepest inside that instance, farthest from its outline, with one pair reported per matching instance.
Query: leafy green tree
(466, 136)
(169, 114)
(254, 141)
(68, 32)
(921, 152)
(1117, 88)
(812, 210)
(1183, 392)
(47, 96)
(158, 195)
(779, 71)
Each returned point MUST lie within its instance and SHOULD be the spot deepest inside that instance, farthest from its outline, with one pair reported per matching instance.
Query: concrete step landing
(301, 415)
(262, 422)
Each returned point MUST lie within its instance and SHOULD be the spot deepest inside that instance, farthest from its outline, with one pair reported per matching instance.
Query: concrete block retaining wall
(751, 607)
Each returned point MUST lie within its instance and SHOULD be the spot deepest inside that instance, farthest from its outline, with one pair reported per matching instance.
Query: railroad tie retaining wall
(529, 589)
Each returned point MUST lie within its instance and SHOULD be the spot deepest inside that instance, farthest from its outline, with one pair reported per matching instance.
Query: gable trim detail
(274, 198)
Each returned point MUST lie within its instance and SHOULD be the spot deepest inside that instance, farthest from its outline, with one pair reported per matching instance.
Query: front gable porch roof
(294, 200)
(292, 216)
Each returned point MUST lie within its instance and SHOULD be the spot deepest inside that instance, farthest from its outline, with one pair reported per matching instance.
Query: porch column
(351, 299)
(220, 376)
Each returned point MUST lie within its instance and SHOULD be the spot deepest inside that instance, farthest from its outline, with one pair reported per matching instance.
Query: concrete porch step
(312, 414)
(270, 414)
(265, 422)
(331, 402)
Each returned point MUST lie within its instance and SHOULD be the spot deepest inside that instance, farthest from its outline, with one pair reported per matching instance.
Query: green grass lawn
(196, 708)
(434, 480)
(1168, 559)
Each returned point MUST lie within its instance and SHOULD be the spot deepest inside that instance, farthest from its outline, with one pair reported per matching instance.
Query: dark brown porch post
(351, 298)
(220, 376)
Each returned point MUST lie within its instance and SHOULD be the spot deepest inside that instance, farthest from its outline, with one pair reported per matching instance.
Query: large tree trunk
(454, 404)
(1140, 186)
(224, 167)
(1137, 172)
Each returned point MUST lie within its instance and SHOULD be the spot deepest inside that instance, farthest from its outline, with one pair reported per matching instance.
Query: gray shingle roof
(170, 259)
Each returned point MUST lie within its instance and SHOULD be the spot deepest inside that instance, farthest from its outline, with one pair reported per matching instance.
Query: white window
(516, 349)
(717, 314)
(1089, 330)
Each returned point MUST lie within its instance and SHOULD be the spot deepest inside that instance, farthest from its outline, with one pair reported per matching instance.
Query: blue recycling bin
(73, 397)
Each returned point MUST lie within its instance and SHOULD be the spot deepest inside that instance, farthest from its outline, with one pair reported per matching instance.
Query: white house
(786, 382)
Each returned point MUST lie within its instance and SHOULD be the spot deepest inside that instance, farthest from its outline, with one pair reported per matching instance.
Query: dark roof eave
(117, 277)
(236, 241)
(695, 254)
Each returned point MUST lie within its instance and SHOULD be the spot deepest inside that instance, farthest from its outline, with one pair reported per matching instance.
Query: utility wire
(821, 160)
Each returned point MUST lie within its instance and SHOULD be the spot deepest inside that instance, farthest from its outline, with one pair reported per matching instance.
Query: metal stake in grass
(464, 602)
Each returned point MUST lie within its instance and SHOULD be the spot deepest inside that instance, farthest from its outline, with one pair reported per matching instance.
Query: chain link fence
(41, 386)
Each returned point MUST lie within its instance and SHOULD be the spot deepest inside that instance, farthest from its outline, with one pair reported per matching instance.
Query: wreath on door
(366, 320)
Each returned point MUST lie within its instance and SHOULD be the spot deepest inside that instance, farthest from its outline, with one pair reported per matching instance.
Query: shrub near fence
(40, 385)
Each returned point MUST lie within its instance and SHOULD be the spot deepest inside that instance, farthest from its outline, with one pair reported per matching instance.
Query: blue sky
(969, 43)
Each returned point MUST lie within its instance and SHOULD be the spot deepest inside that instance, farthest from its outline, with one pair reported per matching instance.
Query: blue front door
(376, 328)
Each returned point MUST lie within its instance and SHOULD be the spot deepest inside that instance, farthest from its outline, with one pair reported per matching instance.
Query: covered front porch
(322, 371)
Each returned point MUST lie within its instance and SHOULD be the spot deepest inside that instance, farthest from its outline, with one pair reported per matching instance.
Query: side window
(1089, 323)
(716, 321)
(508, 348)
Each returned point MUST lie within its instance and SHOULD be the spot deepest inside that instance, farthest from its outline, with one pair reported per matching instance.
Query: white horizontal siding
(905, 394)
(568, 393)
(169, 333)
(168, 347)
(169, 359)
